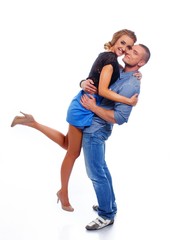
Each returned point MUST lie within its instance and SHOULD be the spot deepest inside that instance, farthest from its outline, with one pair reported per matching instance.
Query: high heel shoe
(27, 118)
(68, 208)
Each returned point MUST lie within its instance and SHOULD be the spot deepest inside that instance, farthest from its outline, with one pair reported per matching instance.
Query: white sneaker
(99, 223)
(95, 207)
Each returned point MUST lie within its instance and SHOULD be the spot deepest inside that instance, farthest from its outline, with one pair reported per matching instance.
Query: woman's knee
(73, 153)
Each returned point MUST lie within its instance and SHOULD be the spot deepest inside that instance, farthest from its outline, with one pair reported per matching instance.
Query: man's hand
(88, 101)
(88, 86)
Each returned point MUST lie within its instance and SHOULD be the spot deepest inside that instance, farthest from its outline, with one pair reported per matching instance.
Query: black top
(104, 58)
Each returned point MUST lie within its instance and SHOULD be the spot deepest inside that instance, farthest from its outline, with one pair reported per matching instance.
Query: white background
(46, 48)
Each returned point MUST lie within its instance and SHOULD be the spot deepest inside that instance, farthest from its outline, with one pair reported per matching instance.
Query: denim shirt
(127, 85)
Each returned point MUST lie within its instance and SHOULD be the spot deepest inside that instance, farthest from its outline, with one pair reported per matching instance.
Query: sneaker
(95, 207)
(99, 223)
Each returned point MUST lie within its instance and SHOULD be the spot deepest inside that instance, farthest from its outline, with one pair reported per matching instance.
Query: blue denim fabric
(97, 170)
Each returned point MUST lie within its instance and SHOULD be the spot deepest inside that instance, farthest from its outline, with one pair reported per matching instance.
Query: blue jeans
(97, 170)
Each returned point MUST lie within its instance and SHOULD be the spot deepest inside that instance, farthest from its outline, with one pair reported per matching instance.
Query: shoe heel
(58, 199)
(66, 208)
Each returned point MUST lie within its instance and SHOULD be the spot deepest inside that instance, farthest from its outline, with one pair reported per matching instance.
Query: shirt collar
(122, 73)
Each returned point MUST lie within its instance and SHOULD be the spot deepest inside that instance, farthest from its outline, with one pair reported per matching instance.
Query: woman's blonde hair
(119, 34)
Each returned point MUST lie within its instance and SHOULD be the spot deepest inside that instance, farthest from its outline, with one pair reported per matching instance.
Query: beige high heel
(27, 118)
(68, 208)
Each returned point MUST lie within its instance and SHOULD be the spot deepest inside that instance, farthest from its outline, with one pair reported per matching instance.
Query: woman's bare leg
(70, 142)
(73, 152)
(54, 135)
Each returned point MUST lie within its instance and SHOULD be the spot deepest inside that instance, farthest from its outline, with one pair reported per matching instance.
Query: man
(94, 137)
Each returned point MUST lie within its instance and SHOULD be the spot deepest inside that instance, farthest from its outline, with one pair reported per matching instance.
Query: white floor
(29, 179)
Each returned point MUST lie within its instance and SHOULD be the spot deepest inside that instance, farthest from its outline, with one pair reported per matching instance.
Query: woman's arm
(104, 91)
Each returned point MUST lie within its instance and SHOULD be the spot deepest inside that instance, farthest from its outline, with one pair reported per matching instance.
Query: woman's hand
(134, 99)
(138, 75)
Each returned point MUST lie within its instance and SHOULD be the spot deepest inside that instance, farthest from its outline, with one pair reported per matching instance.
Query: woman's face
(121, 44)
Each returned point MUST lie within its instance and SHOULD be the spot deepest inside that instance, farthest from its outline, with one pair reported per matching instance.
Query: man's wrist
(93, 108)
(81, 82)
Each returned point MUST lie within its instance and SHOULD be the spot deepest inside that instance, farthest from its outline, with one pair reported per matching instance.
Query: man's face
(134, 56)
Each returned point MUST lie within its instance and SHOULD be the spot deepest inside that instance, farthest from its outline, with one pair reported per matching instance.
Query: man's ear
(141, 63)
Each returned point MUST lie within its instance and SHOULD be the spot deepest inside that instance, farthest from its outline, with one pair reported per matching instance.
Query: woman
(104, 72)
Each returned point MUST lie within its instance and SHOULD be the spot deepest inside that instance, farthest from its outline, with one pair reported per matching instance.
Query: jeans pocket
(103, 133)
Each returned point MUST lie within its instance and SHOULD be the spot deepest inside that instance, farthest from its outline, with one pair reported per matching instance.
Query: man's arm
(117, 113)
(89, 102)
(88, 86)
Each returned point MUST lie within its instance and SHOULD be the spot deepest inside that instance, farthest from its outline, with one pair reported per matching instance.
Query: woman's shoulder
(108, 53)
(108, 57)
